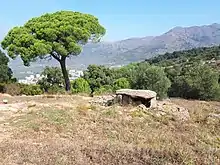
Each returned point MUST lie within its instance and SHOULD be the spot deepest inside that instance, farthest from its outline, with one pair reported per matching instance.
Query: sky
(121, 18)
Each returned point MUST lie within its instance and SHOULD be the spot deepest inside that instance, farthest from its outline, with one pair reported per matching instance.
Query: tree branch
(56, 56)
(63, 58)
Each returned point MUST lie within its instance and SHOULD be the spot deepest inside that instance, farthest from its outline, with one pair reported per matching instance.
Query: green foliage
(203, 54)
(52, 78)
(59, 35)
(194, 73)
(105, 89)
(5, 71)
(31, 90)
(55, 89)
(98, 76)
(152, 78)
(80, 85)
(121, 83)
(197, 82)
(137, 76)
(56, 34)
(15, 89)
(129, 72)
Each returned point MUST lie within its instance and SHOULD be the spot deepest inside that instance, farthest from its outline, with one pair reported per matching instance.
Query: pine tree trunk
(65, 74)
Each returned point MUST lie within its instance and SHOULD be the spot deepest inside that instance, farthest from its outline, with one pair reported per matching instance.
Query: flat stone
(146, 94)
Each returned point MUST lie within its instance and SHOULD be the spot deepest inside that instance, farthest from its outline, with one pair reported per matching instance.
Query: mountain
(178, 38)
(134, 49)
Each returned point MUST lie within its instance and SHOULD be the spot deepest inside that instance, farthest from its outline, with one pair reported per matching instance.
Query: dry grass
(84, 134)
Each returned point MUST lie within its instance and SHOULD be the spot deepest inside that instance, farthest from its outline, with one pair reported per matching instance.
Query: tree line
(190, 80)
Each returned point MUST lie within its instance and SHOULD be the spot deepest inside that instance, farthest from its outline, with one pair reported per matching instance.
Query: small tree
(152, 78)
(5, 71)
(121, 83)
(98, 76)
(197, 82)
(51, 78)
(80, 85)
(58, 35)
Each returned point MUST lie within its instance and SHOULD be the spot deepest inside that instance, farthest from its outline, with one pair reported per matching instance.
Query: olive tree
(58, 35)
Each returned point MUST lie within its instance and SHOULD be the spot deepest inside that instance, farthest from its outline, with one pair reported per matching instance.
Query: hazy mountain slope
(178, 38)
(136, 49)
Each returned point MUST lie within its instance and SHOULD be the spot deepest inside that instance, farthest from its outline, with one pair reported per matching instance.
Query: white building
(33, 79)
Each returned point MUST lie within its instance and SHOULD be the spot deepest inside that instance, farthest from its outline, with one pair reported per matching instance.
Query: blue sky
(121, 18)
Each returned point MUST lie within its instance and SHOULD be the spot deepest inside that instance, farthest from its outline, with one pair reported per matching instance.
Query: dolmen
(136, 97)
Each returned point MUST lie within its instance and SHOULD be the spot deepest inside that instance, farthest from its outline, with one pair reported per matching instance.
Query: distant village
(33, 79)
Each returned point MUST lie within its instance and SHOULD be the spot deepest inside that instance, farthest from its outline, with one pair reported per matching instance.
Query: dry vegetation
(68, 130)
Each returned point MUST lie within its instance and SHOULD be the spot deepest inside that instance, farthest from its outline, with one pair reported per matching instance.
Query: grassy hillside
(69, 130)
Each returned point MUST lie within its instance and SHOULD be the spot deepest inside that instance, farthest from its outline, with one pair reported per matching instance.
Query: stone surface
(137, 97)
(147, 94)
(104, 100)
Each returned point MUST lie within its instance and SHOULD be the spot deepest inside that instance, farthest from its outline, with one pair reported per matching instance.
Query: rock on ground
(179, 113)
(104, 100)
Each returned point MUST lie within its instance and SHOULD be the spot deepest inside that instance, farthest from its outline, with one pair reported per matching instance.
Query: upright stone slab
(130, 96)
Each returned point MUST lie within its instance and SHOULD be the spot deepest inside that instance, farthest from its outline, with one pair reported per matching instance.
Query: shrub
(105, 89)
(55, 89)
(52, 79)
(5, 71)
(121, 83)
(80, 85)
(13, 89)
(31, 90)
(197, 82)
(152, 78)
(98, 76)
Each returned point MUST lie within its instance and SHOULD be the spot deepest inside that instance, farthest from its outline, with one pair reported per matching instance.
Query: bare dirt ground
(69, 130)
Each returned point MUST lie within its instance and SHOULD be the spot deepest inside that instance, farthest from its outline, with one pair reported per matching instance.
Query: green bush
(80, 85)
(152, 78)
(31, 90)
(52, 79)
(56, 89)
(5, 71)
(105, 89)
(16, 89)
(121, 83)
(196, 82)
(98, 76)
